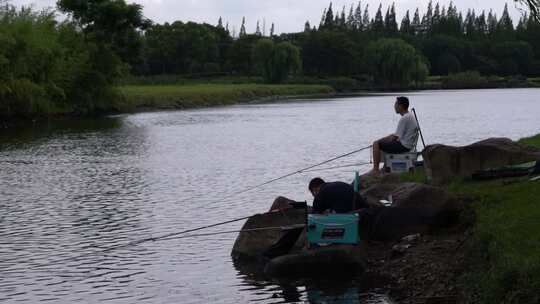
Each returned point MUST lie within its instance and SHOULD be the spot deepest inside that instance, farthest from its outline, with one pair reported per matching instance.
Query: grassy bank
(503, 264)
(202, 95)
(464, 80)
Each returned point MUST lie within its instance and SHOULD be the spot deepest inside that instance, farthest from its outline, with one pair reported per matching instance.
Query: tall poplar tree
(258, 29)
(243, 27)
(405, 27)
(378, 23)
(358, 22)
(416, 25)
(366, 20)
(351, 24)
(505, 25)
(329, 18)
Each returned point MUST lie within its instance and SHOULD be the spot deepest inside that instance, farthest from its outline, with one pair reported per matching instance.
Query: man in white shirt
(400, 142)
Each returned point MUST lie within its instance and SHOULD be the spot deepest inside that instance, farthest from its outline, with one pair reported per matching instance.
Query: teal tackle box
(332, 229)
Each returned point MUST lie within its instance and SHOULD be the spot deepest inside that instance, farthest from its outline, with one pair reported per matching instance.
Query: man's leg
(376, 157)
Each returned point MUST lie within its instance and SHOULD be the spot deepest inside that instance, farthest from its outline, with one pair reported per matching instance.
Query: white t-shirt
(406, 130)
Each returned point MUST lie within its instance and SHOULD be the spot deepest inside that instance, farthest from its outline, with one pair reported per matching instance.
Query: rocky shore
(419, 248)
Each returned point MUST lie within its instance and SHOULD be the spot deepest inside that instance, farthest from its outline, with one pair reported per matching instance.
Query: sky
(288, 15)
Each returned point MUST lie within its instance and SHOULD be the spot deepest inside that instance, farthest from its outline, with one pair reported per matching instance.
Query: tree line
(443, 40)
(73, 65)
(47, 66)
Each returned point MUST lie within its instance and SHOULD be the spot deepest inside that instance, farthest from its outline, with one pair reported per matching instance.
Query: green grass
(203, 95)
(503, 263)
(531, 141)
(504, 252)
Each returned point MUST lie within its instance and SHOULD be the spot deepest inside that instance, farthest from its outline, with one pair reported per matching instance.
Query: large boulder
(412, 195)
(393, 223)
(252, 244)
(416, 208)
(445, 163)
(377, 192)
(368, 180)
(321, 261)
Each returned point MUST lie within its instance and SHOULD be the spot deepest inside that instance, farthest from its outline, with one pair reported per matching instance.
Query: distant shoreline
(148, 97)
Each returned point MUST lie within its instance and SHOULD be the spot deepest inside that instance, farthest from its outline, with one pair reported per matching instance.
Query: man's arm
(318, 205)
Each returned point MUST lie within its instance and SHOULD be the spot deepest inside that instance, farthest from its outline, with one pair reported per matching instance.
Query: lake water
(72, 188)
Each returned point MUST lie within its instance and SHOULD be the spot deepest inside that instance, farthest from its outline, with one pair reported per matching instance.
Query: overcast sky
(288, 15)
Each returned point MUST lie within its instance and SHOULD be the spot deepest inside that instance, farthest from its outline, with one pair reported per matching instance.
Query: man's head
(402, 105)
(315, 185)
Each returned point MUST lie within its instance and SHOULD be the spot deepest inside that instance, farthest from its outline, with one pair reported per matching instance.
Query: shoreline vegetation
(143, 97)
(176, 92)
(78, 66)
(500, 262)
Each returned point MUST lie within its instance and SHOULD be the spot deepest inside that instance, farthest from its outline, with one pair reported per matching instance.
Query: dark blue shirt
(338, 197)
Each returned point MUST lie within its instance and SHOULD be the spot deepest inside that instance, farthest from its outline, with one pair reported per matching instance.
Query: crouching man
(338, 197)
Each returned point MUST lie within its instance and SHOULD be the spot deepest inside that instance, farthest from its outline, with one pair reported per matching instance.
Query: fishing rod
(297, 226)
(175, 234)
(235, 231)
(419, 129)
(295, 172)
(303, 170)
(135, 243)
(168, 236)
(338, 167)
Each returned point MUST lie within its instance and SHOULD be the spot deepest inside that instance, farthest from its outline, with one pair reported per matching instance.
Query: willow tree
(395, 63)
(276, 61)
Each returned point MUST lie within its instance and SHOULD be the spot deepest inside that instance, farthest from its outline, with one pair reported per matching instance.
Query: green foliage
(512, 57)
(326, 53)
(276, 61)
(32, 62)
(469, 79)
(181, 48)
(395, 63)
(112, 24)
(240, 55)
(50, 67)
(531, 141)
(505, 247)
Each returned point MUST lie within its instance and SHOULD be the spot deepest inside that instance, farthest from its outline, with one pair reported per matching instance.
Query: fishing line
(175, 234)
(338, 167)
(295, 172)
(84, 277)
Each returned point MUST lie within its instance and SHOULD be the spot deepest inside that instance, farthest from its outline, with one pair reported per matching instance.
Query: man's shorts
(393, 147)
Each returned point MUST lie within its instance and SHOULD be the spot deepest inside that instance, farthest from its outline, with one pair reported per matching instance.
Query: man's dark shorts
(392, 146)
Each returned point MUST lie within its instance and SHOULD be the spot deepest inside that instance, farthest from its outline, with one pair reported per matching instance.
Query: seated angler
(402, 141)
(338, 197)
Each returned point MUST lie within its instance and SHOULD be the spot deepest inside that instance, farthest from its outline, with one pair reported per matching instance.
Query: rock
(322, 261)
(378, 192)
(253, 244)
(411, 238)
(416, 195)
(367, 180)
(416, 208)
(400, 249)
(412, 195)
(281, 203)
(444, 163)
(393, 223)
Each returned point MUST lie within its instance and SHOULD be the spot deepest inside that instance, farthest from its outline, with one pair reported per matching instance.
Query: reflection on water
(323, 289)
(71, 188)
